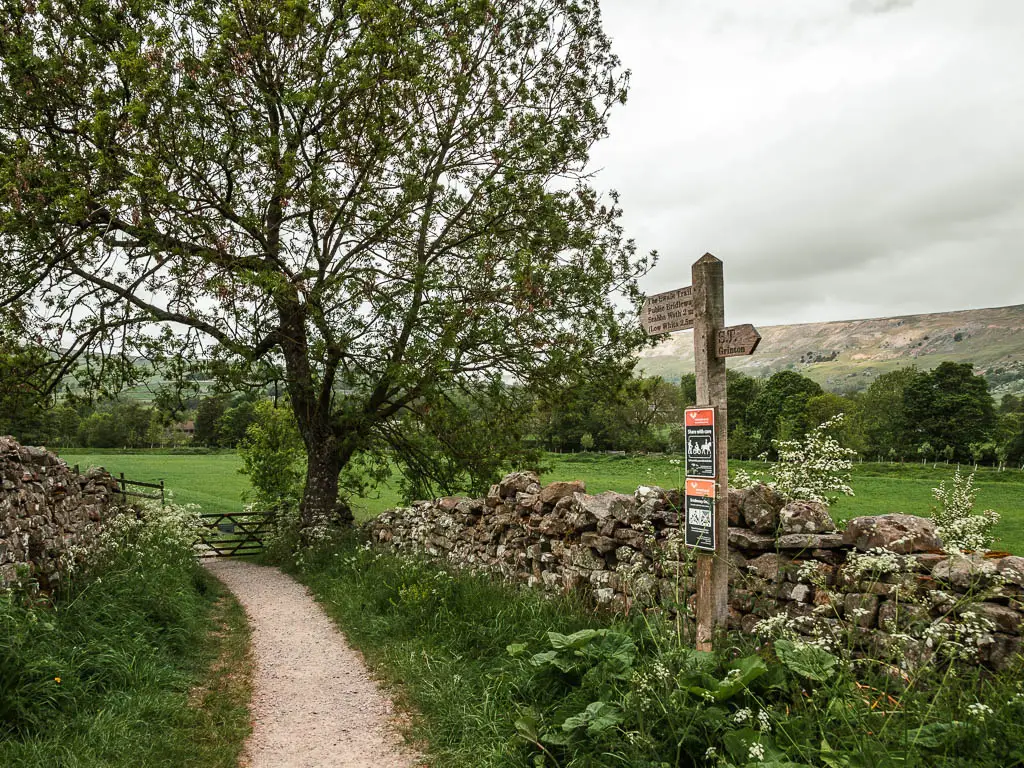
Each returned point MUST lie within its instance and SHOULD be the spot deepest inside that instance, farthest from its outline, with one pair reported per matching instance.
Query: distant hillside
(848, 355)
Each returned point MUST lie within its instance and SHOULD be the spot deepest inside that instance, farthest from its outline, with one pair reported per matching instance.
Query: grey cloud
(879, 6)
(863, 170)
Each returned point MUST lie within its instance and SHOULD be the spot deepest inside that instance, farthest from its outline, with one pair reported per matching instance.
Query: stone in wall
(760, 507)
(801, 517)
(897, 533)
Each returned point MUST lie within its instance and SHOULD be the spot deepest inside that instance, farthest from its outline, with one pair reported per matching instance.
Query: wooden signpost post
(701, 306)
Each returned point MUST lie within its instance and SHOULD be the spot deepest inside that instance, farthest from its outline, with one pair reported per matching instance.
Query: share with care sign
(699, 429)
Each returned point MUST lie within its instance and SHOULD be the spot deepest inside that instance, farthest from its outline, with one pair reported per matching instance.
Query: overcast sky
(844, 158)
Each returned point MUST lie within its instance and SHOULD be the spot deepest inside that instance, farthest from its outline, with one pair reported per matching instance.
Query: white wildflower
(875, 562)
(742, 716)
(979, 711)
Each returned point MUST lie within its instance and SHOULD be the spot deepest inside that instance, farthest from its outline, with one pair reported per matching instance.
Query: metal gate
(232, 534)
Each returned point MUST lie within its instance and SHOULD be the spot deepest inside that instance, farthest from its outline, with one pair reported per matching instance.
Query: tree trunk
(320, 499)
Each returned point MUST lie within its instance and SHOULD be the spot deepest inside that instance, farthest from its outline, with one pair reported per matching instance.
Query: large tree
(779, 410)
(889, 431)
(381, 201)
(950, 406)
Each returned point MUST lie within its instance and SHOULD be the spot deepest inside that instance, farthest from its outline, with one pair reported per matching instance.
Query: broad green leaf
(528, 726)
(556, 737)
(516, 649)
(553, 659)
(614, 647)
(933, 735)
(747, 669)
(574, 641)
(806, 660)
(598, 717)
(831, 758)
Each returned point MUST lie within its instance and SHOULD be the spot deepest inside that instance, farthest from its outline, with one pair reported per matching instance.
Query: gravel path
(314, 704)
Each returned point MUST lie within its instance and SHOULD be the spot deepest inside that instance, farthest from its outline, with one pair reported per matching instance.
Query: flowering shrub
(957, 524)
(811, 469)
(743, 479)
(814, 467)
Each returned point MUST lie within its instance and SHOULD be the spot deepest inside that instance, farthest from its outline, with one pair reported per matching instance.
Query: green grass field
(878, 488)
(213, 482)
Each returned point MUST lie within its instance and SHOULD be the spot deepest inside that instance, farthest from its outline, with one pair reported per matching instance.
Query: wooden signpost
(701, 306)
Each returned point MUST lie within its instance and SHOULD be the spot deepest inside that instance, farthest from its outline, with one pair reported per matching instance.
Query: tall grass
(504, 677)
(106, 671)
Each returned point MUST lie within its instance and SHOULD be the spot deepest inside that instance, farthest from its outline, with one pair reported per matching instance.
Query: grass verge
(219, 701)
(504, 678)
(139, 662)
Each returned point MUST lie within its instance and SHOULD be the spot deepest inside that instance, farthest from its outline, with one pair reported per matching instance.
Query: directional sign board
(669, 311)
(699, 430)
(737, 340)
(700, 514)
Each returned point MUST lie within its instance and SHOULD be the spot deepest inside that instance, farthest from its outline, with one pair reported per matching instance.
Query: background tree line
(945, 414)
(175, 413)
(216, 421)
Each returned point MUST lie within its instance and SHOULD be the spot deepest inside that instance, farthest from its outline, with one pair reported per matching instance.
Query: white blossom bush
(816, 467)
(161, 536)
(955, 520)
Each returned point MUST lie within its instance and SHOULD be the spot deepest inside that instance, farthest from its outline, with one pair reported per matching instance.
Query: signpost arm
(709, 318)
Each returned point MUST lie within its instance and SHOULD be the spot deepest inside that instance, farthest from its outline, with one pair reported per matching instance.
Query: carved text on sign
(737, 340)
(668, 311)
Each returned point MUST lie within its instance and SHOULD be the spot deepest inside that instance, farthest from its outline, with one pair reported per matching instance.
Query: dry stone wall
(45, 510)
(884, 581)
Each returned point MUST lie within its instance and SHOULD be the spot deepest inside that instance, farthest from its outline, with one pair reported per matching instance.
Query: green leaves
(741, 673)
(580, 651)
(806, 660)
(597, 718)
(386, 200)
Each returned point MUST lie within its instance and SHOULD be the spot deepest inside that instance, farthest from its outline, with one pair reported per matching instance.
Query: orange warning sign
(700, 417)
(700, 487)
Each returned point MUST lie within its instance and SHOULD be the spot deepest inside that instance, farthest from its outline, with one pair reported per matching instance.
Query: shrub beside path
(314, 703)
